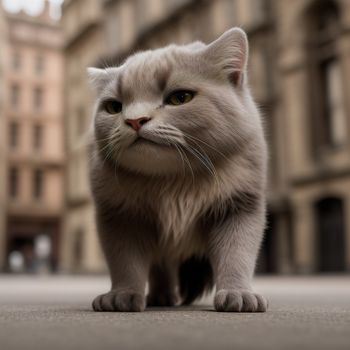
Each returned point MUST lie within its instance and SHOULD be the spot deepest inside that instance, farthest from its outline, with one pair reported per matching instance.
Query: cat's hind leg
(163, 285)
(195, 278)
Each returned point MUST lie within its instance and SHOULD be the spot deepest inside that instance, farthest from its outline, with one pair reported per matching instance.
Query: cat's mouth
(143, 141)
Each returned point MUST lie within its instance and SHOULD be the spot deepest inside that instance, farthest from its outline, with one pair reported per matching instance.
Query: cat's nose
(136, 124)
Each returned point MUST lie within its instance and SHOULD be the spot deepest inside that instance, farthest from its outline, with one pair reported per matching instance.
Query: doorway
(330, 233)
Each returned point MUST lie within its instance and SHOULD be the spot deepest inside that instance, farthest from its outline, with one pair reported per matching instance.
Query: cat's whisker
(105, 147)
(204, 160)
(204, 154)
(170, 134)
(183, 155)
(170, 138)
(195, 154)
(176, 147)
(191, 137)
(182, 160)
(113, 134)
(168, 128)
(116, 161)
(110, 138)
(189, 164)
(170, 131)
(110, 146)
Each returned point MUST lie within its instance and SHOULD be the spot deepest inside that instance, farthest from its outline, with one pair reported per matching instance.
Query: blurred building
(2, 136)
(300, 76)
(32, 142)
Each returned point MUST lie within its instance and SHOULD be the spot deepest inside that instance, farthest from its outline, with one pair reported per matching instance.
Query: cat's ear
(98, 77)
(230, 53)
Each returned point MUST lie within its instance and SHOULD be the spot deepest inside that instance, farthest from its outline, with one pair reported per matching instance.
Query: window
(334, 119)
(13, 134)
(37, 137)
(38, 184)
(15, 95)
(38, 98)
(39, 64)
(13, 182)
(328, 107)
(16, 61)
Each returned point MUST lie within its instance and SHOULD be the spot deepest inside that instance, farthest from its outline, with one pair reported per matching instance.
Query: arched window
(329, 120)
(330, 234)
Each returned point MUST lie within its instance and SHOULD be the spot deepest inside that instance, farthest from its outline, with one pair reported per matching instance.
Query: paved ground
(54, 313)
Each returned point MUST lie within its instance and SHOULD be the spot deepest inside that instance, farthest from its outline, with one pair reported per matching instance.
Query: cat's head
(174, 109)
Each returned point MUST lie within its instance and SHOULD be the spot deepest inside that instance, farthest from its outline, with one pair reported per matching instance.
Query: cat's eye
(112, 106)
(179, 97)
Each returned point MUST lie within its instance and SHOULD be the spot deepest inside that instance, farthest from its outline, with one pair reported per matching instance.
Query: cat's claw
(239, 301)
(119, 301)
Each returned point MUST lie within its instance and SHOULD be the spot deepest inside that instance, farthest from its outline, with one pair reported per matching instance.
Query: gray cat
(178, 176)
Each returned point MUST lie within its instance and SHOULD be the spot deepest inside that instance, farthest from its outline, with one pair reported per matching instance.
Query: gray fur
(192, 190)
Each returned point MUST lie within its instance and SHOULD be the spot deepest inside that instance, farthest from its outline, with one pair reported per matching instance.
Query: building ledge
(33, 210)
(319, 176)
(78, 201)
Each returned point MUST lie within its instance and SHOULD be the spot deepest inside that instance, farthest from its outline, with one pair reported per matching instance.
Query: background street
(55, 313)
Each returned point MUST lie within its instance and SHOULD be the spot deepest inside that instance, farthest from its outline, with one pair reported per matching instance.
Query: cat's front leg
(128, 262)
(235, 236)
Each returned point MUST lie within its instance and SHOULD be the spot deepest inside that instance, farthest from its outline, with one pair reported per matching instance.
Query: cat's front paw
(228, 300)
(119, 301)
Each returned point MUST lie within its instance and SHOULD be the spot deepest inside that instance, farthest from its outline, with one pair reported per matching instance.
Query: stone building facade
(299, 74)
(2, 136)
(31, 117)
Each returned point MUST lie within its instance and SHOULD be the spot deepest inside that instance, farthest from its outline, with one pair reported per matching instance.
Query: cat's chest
(177, 218)
(178, 213)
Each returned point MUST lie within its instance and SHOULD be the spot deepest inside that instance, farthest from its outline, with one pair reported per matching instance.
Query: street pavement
(54, 312)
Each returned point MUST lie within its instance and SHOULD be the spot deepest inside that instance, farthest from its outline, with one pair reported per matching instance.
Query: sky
(33, 7)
